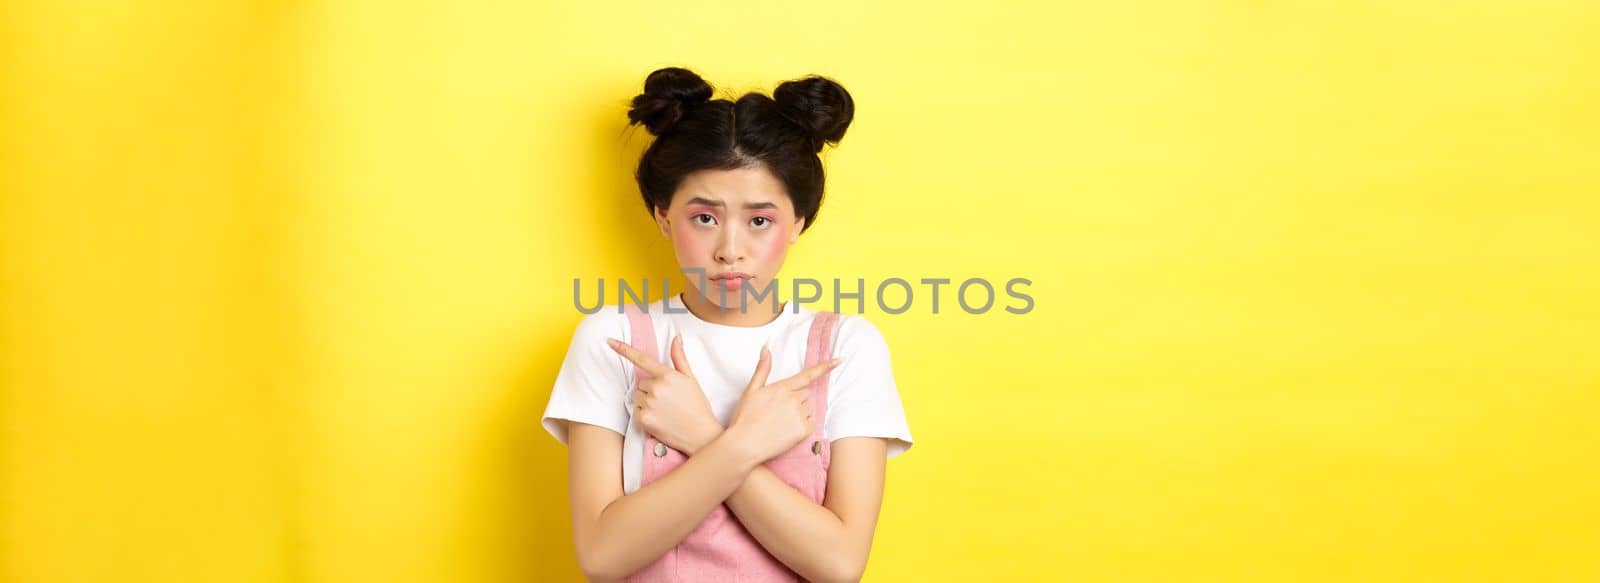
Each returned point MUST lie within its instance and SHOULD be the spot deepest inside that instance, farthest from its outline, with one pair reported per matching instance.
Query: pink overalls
(720, 549)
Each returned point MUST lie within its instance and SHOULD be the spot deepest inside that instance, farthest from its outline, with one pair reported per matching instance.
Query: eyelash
(698, 215)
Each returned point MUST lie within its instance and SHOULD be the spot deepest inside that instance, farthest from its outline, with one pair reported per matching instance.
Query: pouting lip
(729, 275)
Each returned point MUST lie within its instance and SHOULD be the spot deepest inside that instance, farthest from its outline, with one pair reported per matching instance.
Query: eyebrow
(718, 203)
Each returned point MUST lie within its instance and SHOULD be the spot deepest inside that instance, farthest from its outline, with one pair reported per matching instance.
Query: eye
(697, 221)
(763, 223)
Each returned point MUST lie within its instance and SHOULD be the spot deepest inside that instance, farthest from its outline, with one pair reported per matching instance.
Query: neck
(754, 314)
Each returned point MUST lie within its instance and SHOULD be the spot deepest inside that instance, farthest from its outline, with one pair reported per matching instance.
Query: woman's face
(730, 225)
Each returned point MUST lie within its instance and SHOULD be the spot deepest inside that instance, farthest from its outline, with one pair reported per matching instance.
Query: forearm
(806, 536)
(636, 529)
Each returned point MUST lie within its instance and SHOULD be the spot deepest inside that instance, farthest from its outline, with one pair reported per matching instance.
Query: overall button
(816, 447)
(661, 449)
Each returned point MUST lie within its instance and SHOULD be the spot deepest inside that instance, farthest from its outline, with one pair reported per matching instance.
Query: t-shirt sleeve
(592, 385)
(862, 397)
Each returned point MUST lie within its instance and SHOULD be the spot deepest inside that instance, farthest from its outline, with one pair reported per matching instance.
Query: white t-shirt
(595, 385)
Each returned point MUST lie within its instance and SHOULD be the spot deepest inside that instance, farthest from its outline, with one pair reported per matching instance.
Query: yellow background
(283, 285)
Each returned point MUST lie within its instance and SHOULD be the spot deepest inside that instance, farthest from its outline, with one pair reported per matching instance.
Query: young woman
(709, 441)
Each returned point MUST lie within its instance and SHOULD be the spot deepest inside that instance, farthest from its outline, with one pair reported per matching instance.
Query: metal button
(816, 447)
(661, 449)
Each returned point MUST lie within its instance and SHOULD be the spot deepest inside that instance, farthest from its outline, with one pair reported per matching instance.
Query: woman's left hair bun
(669, 93)
(819, 105)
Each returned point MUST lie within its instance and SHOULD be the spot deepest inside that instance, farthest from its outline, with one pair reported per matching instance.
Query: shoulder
(608, 316)
(609, 321)
(855, 334)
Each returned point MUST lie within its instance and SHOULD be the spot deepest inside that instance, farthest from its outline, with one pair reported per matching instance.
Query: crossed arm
(616, 535)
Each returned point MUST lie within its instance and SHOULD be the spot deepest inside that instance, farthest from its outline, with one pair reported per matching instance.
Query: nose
(728, 249)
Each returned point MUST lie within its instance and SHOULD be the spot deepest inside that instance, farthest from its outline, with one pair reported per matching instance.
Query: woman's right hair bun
(819, 105)
(668, 95)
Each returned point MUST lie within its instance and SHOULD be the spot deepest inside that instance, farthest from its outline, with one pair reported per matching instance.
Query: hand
(669, 404)
(770, 419)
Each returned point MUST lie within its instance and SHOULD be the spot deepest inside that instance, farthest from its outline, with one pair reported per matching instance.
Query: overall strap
(819, 348)
(642, 336)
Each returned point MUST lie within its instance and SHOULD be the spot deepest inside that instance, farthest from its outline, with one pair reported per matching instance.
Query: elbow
(856, 578)
(596, 568)
(842, 571)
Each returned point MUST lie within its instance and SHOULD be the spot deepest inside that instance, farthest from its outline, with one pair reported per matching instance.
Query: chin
(715, 298)
(714, 295)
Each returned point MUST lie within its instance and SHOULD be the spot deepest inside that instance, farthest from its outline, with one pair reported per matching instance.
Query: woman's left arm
(830, 541)
(826, 542)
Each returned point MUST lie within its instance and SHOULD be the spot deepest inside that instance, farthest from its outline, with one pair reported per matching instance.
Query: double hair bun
(819, 106)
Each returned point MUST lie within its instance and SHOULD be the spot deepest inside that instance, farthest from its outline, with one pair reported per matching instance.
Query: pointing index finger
(638, 358)
(805, 377)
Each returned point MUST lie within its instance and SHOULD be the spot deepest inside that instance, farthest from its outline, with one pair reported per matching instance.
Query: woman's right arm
(616, 535)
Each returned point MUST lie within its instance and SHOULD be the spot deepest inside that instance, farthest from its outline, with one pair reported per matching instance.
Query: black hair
(782, 133)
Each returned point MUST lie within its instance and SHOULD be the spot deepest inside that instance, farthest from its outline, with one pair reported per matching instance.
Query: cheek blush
(684, 237)
(779, 240)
